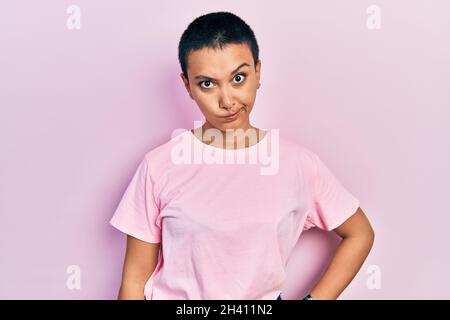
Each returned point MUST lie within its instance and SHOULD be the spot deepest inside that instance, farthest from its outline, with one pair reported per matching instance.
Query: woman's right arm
(140, 261)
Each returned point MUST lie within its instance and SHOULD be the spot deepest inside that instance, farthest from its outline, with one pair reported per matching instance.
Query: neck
(238, 137)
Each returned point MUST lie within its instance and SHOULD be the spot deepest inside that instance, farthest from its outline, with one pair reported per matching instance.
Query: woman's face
(223, 82)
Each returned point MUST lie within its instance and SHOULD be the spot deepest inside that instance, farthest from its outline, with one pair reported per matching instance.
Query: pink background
(79, 109)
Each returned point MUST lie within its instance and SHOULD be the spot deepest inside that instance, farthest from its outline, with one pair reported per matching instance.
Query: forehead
(218, 62)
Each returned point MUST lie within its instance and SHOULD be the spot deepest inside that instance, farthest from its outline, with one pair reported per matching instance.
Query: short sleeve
(137, 212)
(332, 203)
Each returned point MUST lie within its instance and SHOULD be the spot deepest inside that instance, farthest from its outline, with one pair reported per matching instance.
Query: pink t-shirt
(227, 229)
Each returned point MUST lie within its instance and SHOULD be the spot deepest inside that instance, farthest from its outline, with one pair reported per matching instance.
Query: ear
(258, 70)
(186, 84)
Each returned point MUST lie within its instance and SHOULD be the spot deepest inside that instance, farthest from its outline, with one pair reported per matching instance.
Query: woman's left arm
(358, 237)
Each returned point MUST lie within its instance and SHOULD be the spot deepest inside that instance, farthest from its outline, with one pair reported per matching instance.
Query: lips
(232, 115)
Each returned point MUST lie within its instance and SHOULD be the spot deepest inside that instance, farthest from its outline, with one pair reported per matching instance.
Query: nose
(226, 101)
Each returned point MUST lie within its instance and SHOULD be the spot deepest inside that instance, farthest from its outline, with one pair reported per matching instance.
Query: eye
(240, 77)
(207, 83)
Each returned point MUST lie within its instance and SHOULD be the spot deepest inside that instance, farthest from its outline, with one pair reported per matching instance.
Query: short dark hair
(215, 30)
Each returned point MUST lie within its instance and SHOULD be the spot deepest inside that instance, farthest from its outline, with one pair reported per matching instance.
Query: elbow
(366, 238)
(370, 238)
(372, 233)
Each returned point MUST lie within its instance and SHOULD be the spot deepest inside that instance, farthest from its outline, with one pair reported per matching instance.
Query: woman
(210, 228)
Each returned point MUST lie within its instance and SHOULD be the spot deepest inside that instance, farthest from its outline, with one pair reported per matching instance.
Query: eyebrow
(245, 64)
